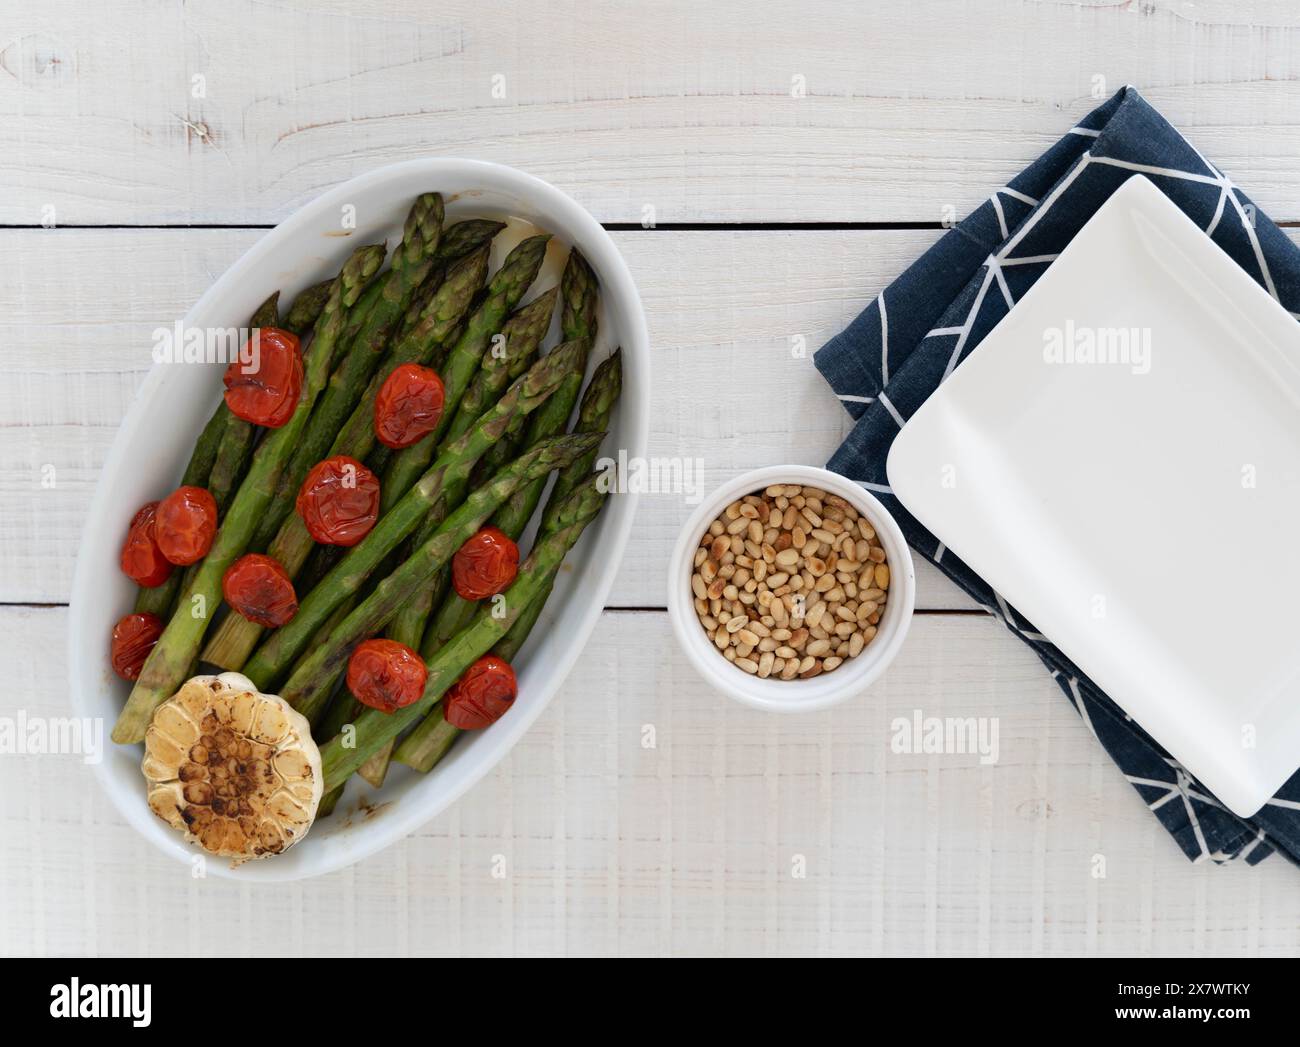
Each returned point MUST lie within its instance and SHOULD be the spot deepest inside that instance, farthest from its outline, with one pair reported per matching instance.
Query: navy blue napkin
(895, 354)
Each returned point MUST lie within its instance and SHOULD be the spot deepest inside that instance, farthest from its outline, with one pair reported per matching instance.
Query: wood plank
(692, 846)
(723, 308)
(697, 110)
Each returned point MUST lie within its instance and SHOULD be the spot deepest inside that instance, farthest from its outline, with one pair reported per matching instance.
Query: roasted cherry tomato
(408, 406)
(485, 565)
(133, 639)
(259, 588)
(339, 501)
(186, 524)
(263, 385)
(142, 560)
(482, 695)
(386, 675)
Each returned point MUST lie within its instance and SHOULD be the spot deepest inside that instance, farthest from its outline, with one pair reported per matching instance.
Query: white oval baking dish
(156, 437)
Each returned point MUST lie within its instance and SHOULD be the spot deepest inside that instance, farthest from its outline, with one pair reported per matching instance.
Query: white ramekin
(855, 674)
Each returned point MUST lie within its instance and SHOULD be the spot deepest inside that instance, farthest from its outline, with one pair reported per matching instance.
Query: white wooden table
(793, 163)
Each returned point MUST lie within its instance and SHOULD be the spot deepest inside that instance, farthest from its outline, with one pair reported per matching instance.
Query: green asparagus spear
(458, 240)
(594, 413)
(507, 360)
(302, 315)
(234, 641)
(268, 313)
(412, 261)
(579, 291)
(578, 324)
(176, 649)
(203, 464)
(593, 417)
(465, 237)
(503, 294)
(432, 737)
(374, 729)
(276, 655)
(342, 711)
(506, 448)
(578, 288)
(458, 371)
(237, 444)
(312, 680)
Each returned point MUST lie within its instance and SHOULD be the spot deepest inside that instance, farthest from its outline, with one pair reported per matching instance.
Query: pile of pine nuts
(790, 582)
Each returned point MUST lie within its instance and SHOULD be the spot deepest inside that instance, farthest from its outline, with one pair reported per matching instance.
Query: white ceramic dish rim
(792, 696)
(88, 653)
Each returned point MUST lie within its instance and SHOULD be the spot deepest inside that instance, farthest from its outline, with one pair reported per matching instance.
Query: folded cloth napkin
(895, 354)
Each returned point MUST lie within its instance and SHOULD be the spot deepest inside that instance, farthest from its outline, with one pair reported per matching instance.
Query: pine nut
(789, 582)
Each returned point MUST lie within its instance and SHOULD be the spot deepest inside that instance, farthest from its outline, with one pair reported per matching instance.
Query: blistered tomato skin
(386, 675)
(485, 565)
(409, 406)
(141, 560)
(482, 695)
(186, 524)
(259, 588)
(339, 501)
(133, 638)
(263, 385)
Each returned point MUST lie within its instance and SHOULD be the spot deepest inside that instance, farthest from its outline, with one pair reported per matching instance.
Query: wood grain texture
(694, 110)
(690, 847)
(684, 113)
(724, 308)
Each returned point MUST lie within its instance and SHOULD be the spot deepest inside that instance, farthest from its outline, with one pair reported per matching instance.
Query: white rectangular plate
(1144, 519)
